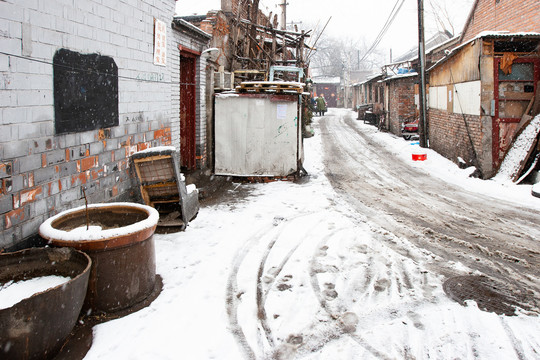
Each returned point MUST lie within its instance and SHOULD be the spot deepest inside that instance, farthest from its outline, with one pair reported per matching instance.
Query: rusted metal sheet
(121, 277)
(36, 327)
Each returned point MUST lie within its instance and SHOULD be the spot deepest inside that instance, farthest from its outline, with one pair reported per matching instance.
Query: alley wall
(43, 172)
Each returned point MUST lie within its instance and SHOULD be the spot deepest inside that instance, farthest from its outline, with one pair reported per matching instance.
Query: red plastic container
(419, 157)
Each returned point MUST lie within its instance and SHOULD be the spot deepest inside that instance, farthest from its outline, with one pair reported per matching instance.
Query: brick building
(482, 93)
(83, 86)
(394, 93)
(330, 88)
(502, 15)
(401, 90)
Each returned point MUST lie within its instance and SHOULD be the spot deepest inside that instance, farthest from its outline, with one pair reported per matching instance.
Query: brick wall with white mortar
(42, 173)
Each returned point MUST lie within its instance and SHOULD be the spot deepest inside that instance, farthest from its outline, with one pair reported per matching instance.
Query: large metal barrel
(120, 242)
(36, 327)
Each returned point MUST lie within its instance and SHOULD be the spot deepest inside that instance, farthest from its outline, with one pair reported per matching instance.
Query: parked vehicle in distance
(409, 130)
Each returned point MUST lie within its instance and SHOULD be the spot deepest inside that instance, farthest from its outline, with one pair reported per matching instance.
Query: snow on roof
(436, 41)
(227, 94)
(181, 22)
(400, 76)
(505, 34)
(369, 78)
(327, 80)
(47, 231)
(486, 34)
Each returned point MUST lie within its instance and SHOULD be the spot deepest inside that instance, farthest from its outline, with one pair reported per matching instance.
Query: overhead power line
(386, 26)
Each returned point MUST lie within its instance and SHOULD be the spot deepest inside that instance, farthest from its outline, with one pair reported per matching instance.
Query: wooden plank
(151, 158)
(161, 184)
(144, 193)
(516, 95)
(268, 86)
(516, 177)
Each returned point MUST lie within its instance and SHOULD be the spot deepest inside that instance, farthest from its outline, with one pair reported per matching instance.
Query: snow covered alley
(302, 271)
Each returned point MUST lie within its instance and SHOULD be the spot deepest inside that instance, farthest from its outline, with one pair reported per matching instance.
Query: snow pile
(12, 293)
(518, 152)
(441, 167)
(157, 149)
(536, 189)
(191, 188)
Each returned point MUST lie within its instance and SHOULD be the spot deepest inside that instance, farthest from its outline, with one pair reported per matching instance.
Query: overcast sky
(356, 19)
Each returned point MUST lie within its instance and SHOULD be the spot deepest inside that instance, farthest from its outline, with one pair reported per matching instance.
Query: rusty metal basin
(122, 251)
(36, 327)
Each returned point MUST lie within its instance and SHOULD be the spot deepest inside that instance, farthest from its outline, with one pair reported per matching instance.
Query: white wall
(464, 98)
(467, 98)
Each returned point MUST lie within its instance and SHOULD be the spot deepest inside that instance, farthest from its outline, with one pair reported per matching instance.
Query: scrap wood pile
(278, 87)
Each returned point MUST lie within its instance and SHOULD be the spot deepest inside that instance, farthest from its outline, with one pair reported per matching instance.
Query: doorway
(188, 90)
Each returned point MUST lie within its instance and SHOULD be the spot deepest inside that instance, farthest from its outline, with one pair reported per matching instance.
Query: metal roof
(488, 34)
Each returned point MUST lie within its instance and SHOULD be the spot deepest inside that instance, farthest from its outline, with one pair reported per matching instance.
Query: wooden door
(187, 111)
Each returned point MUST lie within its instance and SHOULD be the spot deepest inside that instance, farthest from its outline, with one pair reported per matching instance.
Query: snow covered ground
(292, 271)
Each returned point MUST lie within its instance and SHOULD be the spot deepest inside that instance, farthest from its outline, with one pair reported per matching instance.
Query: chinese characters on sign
(160, 43)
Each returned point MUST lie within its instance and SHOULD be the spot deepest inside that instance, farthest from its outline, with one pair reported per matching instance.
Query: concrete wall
(42, 173)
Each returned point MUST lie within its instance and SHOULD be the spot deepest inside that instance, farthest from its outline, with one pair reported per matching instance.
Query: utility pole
(283, 14)
(422, 123)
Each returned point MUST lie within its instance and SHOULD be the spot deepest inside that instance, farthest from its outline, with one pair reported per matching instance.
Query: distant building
(329, 87)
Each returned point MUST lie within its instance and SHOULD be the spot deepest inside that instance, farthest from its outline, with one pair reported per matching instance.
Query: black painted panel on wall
(85, 92)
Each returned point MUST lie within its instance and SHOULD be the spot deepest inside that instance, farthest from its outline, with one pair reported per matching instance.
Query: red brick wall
(401, 103)
(498, 15)
(448, 135)
(242, 6)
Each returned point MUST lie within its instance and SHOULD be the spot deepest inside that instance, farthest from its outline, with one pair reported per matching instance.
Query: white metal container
(257, 134)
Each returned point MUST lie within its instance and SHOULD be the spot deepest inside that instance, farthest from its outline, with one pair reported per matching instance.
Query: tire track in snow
(262, 295)
(418, 207)
(233, 295)
(518, 348)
